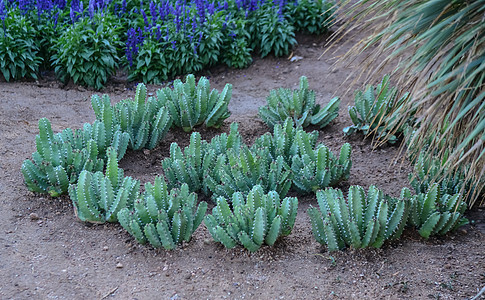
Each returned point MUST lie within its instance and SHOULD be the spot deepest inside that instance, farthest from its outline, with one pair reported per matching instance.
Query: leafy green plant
(150, 64)
(199, 160)
(61, 157)
(256, 219)
(314, 169)
(97, 198)
(162, 218)
(271, 33)
(298, 105)
(146, 121)
(374, 111)
(191, 105)
(312, 16)
(19, 54)
(240, 171)
(359, 221)
(236, 52)
(436, 213)
(86, 51)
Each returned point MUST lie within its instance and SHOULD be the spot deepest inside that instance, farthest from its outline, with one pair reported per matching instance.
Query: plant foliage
(61, 157)
(283, 140)
(439, 50)
(359, 221)
(314, 169)
(97, 198)
(146, 121)
(256, 219)
(436, 213)
(163, 218)
(19, 54)
(298, 105)
(198, 160)
(191, 105)
(240, 171)
(86, 52)
(375, 111)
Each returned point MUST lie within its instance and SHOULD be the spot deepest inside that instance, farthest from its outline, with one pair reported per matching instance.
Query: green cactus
(256, 219)
(146, 121)
(426, 172)
(191, 105)
(161, 218)
(283, 141)
(61, 157)
(198, 160)
(436, 213)
(359, 221)
(319, 168)
(298, 105)
(97, 198)
(373, 111)
(186, 167)
(240, 172)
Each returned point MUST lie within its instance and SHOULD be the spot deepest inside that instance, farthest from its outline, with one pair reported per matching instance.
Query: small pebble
(34, 216)
(119, 265)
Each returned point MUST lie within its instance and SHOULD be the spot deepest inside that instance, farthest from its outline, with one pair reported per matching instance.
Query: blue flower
(3, 11)
(91, 8)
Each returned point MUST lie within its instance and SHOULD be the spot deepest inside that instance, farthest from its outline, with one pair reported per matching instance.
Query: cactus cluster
(247, 183)
(97, 198)
(373, 111)
(199, 160)
(282, 142)
(360, 220)
(61, 157)
(436, 213)
(240, 172)
(314, 169)
(275, 161)
(426, 172)
(145, 120)
(313, 165)
(191, 105)
(256, 219)
(298, 105)
(162, 218)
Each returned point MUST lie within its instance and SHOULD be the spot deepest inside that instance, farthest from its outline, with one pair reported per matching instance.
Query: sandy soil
(55, 256)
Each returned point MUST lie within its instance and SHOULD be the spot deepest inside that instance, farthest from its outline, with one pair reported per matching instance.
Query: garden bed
(48, 253)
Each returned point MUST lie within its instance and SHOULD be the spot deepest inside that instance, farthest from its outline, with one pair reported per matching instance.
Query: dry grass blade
(437, 51)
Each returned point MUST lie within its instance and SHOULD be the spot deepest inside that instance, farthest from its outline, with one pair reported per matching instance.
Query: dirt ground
(55, 256)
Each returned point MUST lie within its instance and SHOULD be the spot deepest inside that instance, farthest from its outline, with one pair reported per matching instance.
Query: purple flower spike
(91, 8)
